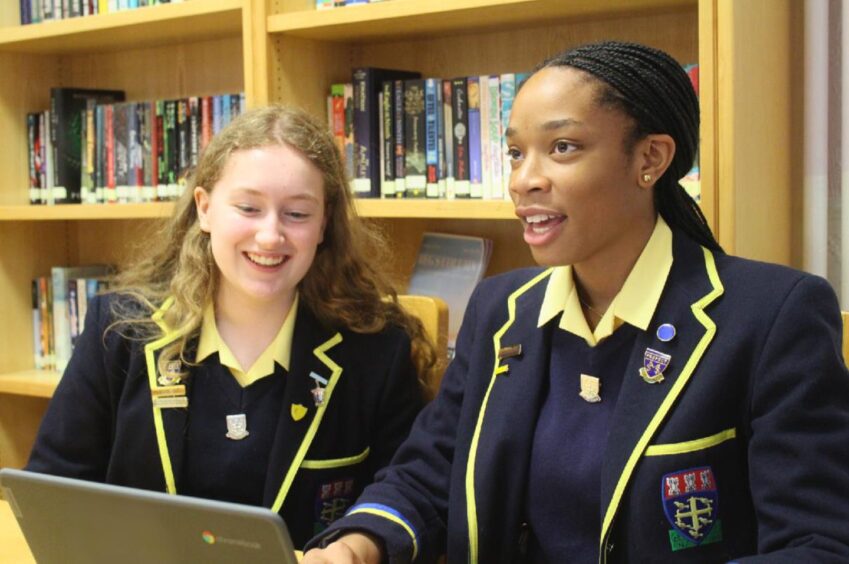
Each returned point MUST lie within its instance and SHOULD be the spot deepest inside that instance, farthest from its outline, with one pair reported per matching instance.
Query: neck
(249, 317)
(600, 278)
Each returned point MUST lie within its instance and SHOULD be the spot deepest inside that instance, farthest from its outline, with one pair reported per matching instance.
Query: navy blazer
(742, 449)
(101, 424)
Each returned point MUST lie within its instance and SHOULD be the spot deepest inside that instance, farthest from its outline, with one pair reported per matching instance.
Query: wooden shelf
(32, 383)
(387, 209)
(154, 25)
(404, 18)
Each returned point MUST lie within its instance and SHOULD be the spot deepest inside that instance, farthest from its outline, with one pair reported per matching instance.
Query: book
(449, 267)
(431, 113)
(415, 165)
(60, 277)
(67, 106)
(508, 92)
(387, 139)
(367, 82)
(460, 145)
(474, 109)
(398, 137)
(495, 149)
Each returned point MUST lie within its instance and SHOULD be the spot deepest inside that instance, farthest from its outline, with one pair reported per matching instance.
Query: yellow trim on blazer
(336, 372)
(669, 400)
(335, 462)
(692, 446)
(471, 505)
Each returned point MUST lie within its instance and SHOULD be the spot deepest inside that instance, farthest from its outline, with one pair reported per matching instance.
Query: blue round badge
(666, 332)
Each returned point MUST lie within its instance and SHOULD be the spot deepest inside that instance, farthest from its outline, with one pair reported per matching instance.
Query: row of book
(404, 136)
(37, 11)
(410, 137)
(329, 4)
(59, 305)
(88, 150)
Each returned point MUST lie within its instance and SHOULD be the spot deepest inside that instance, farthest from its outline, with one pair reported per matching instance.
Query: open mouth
(542, 223)
(265, 260)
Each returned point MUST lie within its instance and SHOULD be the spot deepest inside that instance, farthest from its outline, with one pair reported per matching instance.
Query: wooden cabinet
(285, 51)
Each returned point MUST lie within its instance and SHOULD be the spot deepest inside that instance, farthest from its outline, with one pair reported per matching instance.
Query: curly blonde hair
(344, 287)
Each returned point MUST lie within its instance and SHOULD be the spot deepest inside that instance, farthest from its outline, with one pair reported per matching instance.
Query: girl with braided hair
(642, 398)
(256, 353)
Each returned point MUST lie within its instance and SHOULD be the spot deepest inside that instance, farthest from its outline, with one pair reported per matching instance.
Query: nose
(527, 176)
(269, 233)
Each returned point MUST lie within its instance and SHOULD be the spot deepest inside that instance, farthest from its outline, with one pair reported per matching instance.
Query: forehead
(278, 168)
(559, 93)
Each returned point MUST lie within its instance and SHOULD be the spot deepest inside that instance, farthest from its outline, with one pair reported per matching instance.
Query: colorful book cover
(496, 147)
(485, 189)
(448, 138)
(431, 138)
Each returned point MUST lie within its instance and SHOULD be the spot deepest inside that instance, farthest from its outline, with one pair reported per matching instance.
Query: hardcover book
(460, 121)
(67, 106)
(366, 83)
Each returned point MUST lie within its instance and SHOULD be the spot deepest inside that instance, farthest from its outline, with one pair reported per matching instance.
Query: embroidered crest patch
(333, 500)
(690, 502)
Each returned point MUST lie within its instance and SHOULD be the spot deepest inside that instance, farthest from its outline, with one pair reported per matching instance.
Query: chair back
(433, 313)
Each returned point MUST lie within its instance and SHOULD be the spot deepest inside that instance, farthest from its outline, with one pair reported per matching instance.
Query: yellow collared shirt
(634, 304)
(279, 351)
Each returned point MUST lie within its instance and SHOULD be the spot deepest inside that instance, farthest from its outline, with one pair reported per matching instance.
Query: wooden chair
(846, 337)
(433, 313)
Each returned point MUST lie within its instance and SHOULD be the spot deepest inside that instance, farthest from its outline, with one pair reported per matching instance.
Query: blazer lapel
(642, 407)
(501, 443)
(312, 378)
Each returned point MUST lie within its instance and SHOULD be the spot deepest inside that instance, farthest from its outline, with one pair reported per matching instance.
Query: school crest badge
(690, 502)
(654, 363)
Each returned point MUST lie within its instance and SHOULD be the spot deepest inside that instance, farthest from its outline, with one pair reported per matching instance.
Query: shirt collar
(279, 351)
(635, 303)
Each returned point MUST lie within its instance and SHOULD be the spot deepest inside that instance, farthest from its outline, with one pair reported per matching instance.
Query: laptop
(69, 521)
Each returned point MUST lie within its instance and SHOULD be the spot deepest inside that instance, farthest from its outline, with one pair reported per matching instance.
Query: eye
(246, 208)
(514, 154)
(297, 215)
(562, 147)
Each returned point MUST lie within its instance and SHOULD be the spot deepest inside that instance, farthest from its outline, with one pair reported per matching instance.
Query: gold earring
(647, 178)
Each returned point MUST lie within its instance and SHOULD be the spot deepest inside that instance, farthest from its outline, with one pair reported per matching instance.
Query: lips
(542, 223)
(268, 261)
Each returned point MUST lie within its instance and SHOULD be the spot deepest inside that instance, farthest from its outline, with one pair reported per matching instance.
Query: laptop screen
(67, 520)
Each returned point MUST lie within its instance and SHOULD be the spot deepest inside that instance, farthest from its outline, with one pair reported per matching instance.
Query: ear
(654, 155)
(202, 205)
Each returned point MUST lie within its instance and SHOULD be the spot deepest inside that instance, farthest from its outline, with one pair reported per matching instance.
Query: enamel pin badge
(171, 376)
(590, 388)
(654, 363)
(318, 391)
(237, 427)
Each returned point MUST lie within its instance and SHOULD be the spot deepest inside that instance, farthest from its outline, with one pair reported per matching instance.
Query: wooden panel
(390, 20)
(154, 25)
(303, 70)
(109, 242)
(13, 545)
(30, 250)
(74, 211)
(755, 157)
(32, 383)
(19, 421)
(167, 71)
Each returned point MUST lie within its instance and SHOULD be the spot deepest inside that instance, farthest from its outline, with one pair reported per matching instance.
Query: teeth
(539, 218)
(264, 260)
(540, 229)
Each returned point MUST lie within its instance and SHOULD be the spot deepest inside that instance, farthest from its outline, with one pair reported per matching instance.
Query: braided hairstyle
(650, 87)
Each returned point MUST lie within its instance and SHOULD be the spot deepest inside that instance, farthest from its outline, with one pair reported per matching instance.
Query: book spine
(475, 172)
(73, 313)
(362, 134)
(61, 328)
(448, 137)
(206, 122)
(49, 160)
(183, 134)
(45, 308)
(387, 139)
(100, 151)
(398, 137)
(133, 153)
(194, 131)
(161, 152)
(111, 192)
(496, 148)
(483, 81)
(121, 150)
(146, 178)
(508, 93)
(171, 147)
(415, 167)
(59, 191)
(37, 353)
(460, 127)
(431, 139)
(32, 147)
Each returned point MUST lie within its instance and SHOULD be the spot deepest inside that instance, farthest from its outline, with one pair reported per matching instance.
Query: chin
(544, 258)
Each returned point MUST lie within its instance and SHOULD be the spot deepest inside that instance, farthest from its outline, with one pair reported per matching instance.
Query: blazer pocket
(692, 446)
(328, 463)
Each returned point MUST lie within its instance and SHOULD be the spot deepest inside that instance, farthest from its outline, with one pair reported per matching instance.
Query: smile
(542, 223)
(264, 260)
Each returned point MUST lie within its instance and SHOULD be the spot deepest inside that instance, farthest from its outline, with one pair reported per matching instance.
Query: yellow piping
(692, 446)
(335, 462)
(669, 400)
(471, 505)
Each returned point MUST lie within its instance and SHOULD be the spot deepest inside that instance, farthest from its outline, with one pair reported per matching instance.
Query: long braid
(652, 88)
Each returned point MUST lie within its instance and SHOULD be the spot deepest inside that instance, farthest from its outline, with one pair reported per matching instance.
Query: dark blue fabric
(564, 481)
(216, 467)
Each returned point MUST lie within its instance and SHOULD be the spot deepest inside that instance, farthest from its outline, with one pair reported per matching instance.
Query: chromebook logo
(208, 537)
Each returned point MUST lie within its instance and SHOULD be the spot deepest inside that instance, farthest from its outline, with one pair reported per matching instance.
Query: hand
(353, 548)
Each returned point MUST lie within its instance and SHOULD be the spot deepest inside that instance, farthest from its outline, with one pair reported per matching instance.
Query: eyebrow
(549, 126)
(255, 192)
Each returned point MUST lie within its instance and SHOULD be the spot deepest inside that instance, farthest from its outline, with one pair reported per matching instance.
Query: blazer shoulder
(503, 285)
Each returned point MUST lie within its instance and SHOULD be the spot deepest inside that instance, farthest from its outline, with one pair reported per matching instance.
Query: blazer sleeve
(407, 505)
(75, 435)
(799, 432)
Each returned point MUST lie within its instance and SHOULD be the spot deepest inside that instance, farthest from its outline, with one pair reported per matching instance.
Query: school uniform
(720, 433)
(302, 431)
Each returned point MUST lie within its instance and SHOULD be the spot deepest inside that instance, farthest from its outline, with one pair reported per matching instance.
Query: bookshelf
(285, 51)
